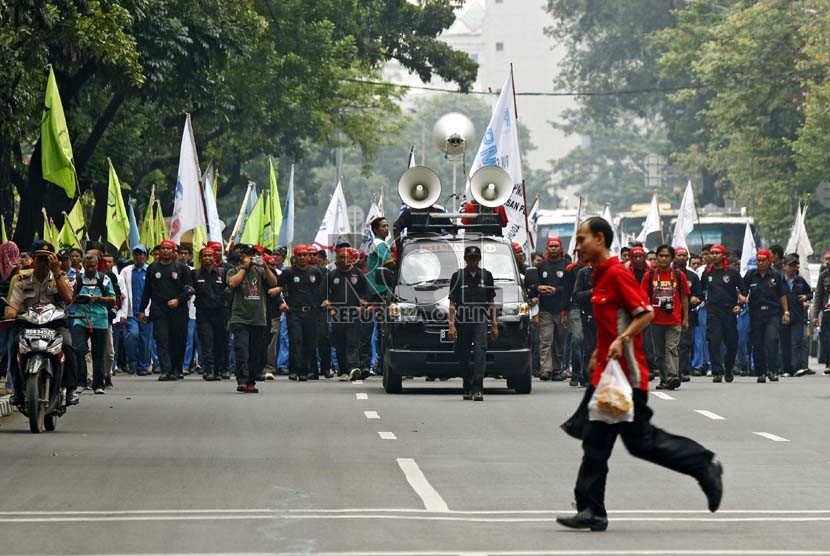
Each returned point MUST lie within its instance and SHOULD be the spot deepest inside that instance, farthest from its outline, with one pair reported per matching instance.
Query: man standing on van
(472, 294)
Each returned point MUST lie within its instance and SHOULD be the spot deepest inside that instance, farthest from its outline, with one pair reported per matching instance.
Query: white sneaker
(99, 390)
(269, 376)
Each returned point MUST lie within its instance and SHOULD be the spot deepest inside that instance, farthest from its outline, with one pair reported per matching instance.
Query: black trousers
(589, 331)
(302, 342)
(685, 350)
(345, 336)
(323, 341)
(249, 350)
(643, 440)
(213, 339)
(170, 333)
(722, 328)
(791, 349)
(367, 327)
(472, 336)
(763, 335)
(82, 336)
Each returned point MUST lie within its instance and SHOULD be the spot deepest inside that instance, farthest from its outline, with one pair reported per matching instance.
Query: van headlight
(514, 310)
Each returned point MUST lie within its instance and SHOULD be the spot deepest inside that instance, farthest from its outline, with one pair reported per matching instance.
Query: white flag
(686, 217)
(572, 242)
(188, 210)
(616, 246)
(335, 222)
(213, 220)
(500, 147)
(532, 220)
(368, 236)
(748, 251)
(652, 223)
(286, 236)
(800, 243)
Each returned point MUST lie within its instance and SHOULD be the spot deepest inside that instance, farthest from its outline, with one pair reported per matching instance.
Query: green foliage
(258, 76)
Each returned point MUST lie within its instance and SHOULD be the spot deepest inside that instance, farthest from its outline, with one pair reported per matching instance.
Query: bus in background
(631, 224)
(725, 226)
(554, 223)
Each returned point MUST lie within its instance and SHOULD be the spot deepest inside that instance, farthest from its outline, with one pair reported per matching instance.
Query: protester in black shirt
(302, 290)
(767, 298)
(472, 294)
(168, 285)
(799, 295)
(209, 286)
(323, 333)
(725, 292)
(553, 297)
(347, 290)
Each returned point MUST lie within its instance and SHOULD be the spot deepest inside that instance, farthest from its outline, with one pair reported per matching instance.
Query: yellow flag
(162, 232)
(199, 241)
(118, 223)
(73, 227)
(3, 237)
(56, 150)
(274, 210)
(255, 222)
(148, 225)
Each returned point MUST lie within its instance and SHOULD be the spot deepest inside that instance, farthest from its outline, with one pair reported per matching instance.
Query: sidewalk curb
(6, 408)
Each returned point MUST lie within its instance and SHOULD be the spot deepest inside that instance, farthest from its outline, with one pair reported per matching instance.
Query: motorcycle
(41, 363)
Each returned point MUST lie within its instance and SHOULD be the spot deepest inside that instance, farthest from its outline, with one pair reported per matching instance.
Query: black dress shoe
(773, 378)
(685, 378)
(586, 519)
(712, 484)
(478, 396)
(718, 378)
(166, 378)
(673, 383)
(762, 379)
(225, 376)
(292, 376)
(72, 398)
(729, 377)
(467, 395)
(17, 401)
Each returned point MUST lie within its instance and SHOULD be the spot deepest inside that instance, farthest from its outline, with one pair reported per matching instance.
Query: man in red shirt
(668, 292)
(621, 312)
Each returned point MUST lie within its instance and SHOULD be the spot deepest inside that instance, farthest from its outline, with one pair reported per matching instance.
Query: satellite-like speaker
(491, 186)
(452, 133)
(419, 187)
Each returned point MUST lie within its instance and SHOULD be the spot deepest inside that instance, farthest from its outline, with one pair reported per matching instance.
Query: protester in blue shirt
(92, 323)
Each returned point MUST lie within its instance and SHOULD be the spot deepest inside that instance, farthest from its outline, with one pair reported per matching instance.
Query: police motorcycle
(41, 363)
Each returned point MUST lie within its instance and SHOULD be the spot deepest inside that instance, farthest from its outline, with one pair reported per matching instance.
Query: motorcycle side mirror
(82, 299)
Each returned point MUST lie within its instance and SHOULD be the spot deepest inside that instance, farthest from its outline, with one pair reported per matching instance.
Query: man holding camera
(668, 292)
(168, 285)
(249, 282)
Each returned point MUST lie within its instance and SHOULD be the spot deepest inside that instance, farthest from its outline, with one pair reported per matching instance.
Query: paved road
(194, 467)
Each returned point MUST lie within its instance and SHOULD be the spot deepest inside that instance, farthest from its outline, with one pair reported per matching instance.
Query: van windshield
(435, 263)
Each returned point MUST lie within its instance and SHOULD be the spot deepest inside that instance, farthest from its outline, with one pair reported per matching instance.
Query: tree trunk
(32, 197)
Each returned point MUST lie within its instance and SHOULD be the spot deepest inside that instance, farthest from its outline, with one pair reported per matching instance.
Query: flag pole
(660, 220)
(524, 187)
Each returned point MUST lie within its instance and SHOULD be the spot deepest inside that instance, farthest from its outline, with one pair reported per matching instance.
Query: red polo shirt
(617, 298)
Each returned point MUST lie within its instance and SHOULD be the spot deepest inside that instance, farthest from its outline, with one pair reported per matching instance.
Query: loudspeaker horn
(491, 186)
(419, 187)
(452, 133)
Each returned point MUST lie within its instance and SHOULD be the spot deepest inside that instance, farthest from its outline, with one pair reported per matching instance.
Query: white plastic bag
(612, 401)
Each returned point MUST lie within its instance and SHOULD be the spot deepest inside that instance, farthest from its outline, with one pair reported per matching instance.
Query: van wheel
(523, 383)
(392, 383)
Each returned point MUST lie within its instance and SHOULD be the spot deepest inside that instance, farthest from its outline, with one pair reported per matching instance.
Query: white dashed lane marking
(709, 414)
(430, 497)
(361, 396)
(388, 435)
(773, 437)
(357, 382)
(371, 414)
(662, 396)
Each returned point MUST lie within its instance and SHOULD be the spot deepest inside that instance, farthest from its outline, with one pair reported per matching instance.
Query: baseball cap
(141, 248)
(472, 251)
(789, 260)
(341, 243)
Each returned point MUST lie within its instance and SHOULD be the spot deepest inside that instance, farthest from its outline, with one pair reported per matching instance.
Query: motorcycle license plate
(40, 334)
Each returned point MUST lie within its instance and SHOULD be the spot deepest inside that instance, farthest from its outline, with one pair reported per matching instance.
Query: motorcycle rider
(46, 284)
